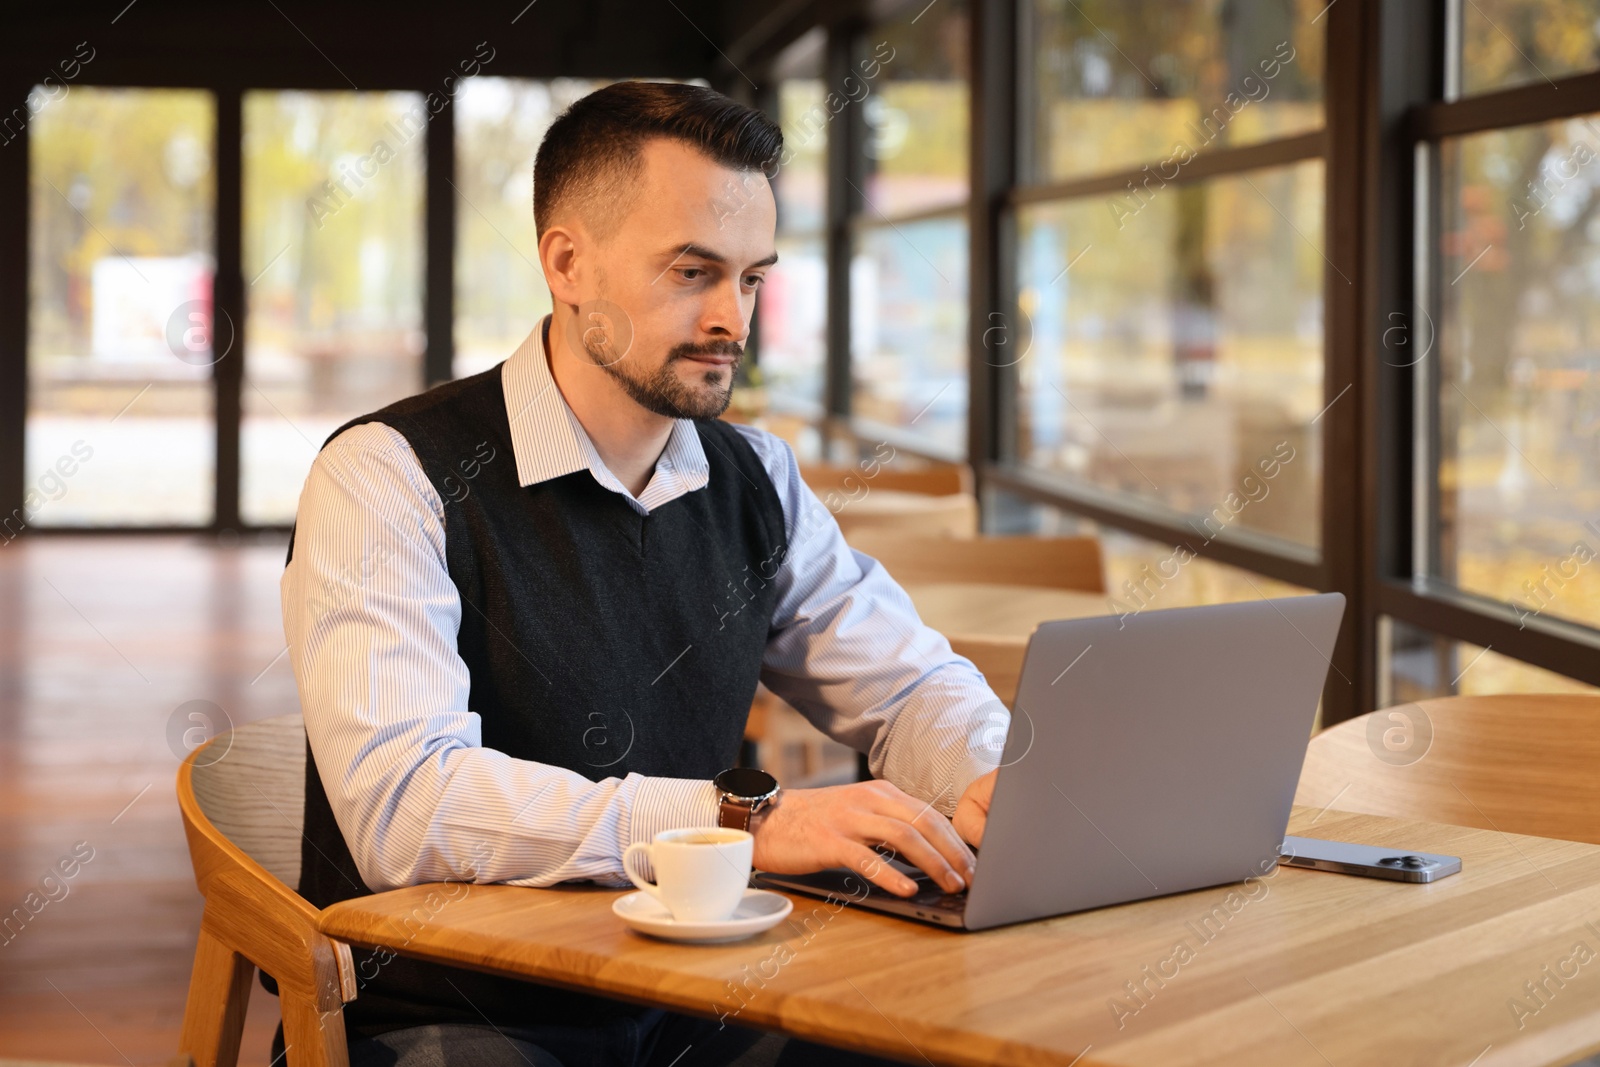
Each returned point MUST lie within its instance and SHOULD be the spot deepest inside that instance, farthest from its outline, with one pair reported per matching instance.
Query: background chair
(934, 479)
(1068, 563)
(936, 499)
(1071, 563)
(242, 798)
(1053, 562)
(1521, 764)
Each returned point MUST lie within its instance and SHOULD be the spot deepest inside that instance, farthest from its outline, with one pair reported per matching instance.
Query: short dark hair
(591, 151)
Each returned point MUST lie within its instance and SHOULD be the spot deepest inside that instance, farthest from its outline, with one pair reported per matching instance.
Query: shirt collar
(549, 441)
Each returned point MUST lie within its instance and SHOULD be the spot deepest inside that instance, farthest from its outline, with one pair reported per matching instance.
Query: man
(527, 610)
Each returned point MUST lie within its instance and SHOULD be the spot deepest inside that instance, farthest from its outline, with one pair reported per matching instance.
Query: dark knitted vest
(576, 613)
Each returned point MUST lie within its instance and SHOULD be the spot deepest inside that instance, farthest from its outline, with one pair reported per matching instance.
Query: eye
(686, 271)
(755, 280)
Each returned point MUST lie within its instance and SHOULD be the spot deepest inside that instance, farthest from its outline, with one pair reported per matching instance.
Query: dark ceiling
(398, 44)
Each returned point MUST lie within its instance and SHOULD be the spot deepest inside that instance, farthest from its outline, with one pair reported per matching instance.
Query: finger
(937, 830)
(982, 789)
(914, 848)
(894, 803)
(877, 870)
(969, 823)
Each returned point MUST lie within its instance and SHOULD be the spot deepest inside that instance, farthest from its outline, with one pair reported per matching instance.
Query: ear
(558, 256)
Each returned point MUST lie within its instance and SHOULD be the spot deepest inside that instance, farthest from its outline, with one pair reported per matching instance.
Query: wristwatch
(741, 792)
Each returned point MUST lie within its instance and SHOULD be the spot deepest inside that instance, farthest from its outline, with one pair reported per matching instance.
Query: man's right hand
(811, 829)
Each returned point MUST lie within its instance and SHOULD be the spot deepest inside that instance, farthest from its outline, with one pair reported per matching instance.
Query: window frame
(1426, 112)
(1335, 564)
(854, 218)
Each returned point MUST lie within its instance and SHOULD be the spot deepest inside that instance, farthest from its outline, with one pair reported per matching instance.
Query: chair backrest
(908, 514)
(798, 431)
(253, 791)
(1052, 562)
(999, 659)
(1520, 764)
(241, 796)
(938, 479)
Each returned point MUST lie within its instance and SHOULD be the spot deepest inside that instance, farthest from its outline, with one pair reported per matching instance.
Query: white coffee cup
(701, 873)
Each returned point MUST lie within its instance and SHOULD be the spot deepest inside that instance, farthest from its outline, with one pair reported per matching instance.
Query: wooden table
(1302, 967)
(955, 514)
(990, 610)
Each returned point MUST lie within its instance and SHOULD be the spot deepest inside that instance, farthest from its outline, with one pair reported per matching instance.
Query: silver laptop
(1148, 754)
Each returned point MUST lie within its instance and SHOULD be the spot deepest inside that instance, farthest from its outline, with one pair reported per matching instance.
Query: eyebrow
(702, 252)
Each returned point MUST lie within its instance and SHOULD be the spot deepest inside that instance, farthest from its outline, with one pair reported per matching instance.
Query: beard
(663, 392)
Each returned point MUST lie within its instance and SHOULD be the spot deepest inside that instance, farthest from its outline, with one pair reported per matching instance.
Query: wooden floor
(102, 640)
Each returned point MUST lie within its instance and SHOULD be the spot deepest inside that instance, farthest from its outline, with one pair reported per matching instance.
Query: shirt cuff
(983, 751)
(669, 803)
(969, 771)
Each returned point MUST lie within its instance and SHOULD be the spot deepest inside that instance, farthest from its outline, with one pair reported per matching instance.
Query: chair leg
(312, 1037)
(219, 993)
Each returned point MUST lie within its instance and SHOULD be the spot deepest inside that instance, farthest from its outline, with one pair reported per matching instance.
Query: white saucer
(759, 910)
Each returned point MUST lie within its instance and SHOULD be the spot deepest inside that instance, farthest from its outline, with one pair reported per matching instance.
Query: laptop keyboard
(928, 893)
(844, 882)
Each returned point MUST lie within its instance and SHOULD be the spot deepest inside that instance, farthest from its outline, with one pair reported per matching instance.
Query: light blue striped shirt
(371, 617)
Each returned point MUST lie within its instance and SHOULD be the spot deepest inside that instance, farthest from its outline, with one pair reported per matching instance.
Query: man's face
(680, 276)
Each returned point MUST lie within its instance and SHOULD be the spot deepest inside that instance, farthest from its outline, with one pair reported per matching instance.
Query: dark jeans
(656, 1038)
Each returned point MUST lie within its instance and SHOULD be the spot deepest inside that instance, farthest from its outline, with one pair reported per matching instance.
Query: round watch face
(745, 782)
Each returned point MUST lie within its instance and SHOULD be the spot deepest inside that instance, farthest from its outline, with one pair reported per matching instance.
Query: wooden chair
(939, 479)
(954, 516)
(937, 499)
(242, 798)
(1053, 562)
(1521, 764)
(800, 432)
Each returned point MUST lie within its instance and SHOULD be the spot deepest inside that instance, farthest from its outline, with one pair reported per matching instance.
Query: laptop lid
(1151, 753)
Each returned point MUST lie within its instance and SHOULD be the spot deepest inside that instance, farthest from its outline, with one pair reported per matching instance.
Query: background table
(955, 514)
(991, 610)
(1303, 967)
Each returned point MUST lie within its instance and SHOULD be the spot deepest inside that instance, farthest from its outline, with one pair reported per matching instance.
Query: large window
(1177, 351)
(1171, 261)
(1504, 43)
(1518, 396)
(500, 292)
(1224, 312)
(908, 250)
(908, 328)
(119, 425)
(1499, 373)
(333, 187)
(793, 306)
(1115, 84)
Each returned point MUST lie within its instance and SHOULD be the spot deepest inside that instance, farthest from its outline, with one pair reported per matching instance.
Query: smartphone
(1368, 861)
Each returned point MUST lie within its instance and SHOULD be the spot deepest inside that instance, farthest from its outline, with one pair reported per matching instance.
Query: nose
(726, 316)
